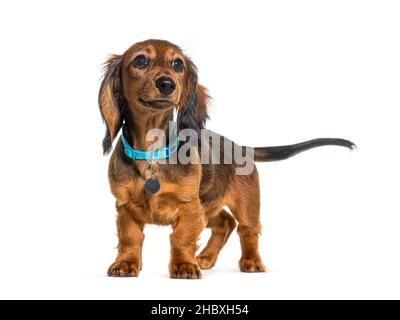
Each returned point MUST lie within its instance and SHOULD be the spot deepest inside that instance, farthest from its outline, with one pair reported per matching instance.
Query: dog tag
(152, 186)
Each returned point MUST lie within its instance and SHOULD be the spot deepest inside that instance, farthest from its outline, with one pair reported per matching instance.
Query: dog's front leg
(130, 235)
(187, 229)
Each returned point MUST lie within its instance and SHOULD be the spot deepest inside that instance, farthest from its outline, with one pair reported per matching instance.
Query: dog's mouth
(156, 103)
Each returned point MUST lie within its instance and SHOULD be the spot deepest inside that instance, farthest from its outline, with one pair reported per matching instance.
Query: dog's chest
(178, 185)
(161, 208)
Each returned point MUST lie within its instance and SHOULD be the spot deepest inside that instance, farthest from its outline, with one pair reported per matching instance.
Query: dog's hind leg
(221, 226)
(246, 210)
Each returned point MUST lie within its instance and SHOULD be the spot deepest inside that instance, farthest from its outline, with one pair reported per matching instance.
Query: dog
(139, 92)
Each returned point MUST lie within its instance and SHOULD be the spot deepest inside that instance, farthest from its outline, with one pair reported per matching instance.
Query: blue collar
(135, 154)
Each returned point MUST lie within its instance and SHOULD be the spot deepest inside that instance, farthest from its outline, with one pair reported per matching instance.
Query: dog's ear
(192, 108)
(111, 100)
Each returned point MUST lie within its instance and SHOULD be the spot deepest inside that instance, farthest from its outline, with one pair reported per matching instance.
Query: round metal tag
(152, 186)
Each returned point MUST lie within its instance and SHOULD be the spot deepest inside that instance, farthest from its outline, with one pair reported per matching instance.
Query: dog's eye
(177, 64)
(141, 62)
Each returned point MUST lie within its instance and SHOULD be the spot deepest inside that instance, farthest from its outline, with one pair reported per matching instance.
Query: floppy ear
(192, 108)
(111, 101)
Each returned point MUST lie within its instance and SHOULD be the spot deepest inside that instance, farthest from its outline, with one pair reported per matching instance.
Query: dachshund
(140, 91)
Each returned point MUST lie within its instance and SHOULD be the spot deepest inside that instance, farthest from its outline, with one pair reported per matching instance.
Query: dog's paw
(124, 268)
(251, 265)
(184, 271)
(206, 262)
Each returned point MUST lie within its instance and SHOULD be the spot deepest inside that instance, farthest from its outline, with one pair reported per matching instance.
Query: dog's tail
(266, 154)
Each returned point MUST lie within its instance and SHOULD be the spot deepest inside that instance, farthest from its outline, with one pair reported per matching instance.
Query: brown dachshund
(139, 92)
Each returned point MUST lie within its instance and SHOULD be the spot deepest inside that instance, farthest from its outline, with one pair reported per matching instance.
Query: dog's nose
(166, 85)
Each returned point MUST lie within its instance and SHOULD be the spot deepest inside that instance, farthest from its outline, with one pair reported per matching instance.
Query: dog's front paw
(252, 265)
(124, 268)
(184, 271)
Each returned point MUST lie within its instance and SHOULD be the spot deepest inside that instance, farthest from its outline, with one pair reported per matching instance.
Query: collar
(135, 154)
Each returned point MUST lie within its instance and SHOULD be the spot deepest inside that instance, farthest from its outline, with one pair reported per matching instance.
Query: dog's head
(151, 77)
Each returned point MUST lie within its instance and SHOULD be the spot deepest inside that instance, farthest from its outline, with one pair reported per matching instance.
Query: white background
(280, 72)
